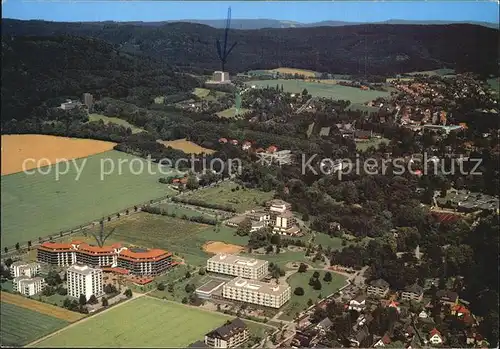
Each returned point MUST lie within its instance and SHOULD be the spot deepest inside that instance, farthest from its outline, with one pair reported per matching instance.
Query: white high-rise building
(83, 279)
(257, 292)
(20, 268)
(28, 286)
(229, 264)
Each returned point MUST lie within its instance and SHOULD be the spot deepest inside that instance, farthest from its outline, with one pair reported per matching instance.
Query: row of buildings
(25, 278)
(247, 286)
(277, 214)
(137, 261)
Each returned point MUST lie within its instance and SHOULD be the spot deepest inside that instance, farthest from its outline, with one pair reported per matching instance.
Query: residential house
(272, 149)
(20, 268)
(304, 340)
(447, 297)
(28, 286)
(259, 216)
(379, 288)
(394, 305)
(234, 141)
(231, 334)
(358, 303)
(435, 337)
(382, 342)
(414, 292)
(324, 325)
(423, 315)
(459, 310)
(361, 338)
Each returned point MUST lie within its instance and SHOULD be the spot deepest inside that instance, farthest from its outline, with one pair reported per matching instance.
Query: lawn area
(185, 239)
(156, 323)
(363, 146)
(21, 326)
(231, 112)
(242, 199)
(355, 95)
(179, 287)
(299, 303)
(494, 84)
(181, 211)
(113, 120)
(286, 257)
(39, 205)
(326, 240)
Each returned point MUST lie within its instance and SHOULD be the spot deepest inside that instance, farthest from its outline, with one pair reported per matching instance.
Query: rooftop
(229, 329)
(238, 260)
(81, 269)
(254, 285)
(143, 254)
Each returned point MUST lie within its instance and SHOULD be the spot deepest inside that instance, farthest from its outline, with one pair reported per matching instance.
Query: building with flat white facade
(82, 279)
(229, 264)
(257, 292)
(24, 269)
(28, 286)
(285, 224)
(220, 76)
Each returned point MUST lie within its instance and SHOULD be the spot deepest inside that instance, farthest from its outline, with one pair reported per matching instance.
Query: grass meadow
(39, 205)
(231, 112)
(113, 120)
(143, 322)
(184, 238)
(299, 303)
(242, 199)
(355, 95)
(21, 326)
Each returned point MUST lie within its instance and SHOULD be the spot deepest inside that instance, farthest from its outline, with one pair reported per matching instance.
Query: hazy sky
(353, 11)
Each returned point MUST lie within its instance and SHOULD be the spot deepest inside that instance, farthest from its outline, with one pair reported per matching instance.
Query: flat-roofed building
(230, 264)
(28, 286)
(278, 206)
(21, 268)
(231, 334)
(285, 224)
(208, 289)
(82, 279)
(257, 292)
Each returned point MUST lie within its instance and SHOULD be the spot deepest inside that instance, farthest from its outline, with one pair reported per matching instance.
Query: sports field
(355, 95)
(117, 121)
(186, 146)
(39, 205)
(32, 151)
(143, 322)
(241, 200)
(21, 326)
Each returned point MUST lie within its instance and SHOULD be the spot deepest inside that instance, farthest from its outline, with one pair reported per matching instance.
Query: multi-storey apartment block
(20, 268)
(257, 292)
(82, 279)
(143, 262)
(28, 286)
(413, 292)
(249, 268)
(231, 334)
(378, 288)
(285, 224)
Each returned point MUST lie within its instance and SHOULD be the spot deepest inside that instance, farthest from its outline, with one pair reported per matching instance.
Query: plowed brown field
(18, 148)
(40, 307)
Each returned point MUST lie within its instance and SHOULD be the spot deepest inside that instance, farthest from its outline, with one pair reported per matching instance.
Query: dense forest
(46, 70)
(377, 48)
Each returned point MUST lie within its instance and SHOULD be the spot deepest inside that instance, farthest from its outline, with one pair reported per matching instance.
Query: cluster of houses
(467, 201)
(271, 154)
(277, 214)
(410, 330)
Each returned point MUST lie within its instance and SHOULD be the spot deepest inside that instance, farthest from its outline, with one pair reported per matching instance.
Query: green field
(364, 145)
(230, 113)
(494, 84)
(181, 237)
(21, 326)
(38, 205)
(299, 303)
(355, 95)
(117, 121)
(180, 211)
(241, 200)
(143, 322)
(439, 72)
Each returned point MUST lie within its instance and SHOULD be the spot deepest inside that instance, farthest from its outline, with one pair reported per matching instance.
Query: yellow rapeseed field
(45, 150)
(186, 146)
(306, 73)
(40, 307)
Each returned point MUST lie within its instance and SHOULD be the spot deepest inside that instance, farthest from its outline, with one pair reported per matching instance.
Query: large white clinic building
(82, 279)
(229, 264)
(257, 292)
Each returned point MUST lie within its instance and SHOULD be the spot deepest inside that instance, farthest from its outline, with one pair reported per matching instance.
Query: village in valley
(247, 206)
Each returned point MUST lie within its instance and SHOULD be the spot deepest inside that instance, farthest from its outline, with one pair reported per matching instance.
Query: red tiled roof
(141, 281)
(435, 331)
(386, 339)
(153, 254)
(272, 148)
(90, 249)
(459, 308)
(49, 245)
(116, 270)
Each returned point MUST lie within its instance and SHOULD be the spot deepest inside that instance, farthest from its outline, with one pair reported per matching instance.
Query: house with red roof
(382, 342)
(234, 141)
(272, 149)
(435, 337)
(222, 140)
(459, 310)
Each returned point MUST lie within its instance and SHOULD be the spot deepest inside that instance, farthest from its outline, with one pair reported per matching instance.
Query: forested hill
(38, 69)
(381, 48)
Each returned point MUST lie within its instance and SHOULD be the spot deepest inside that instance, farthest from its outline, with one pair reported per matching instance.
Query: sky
(306, 11)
